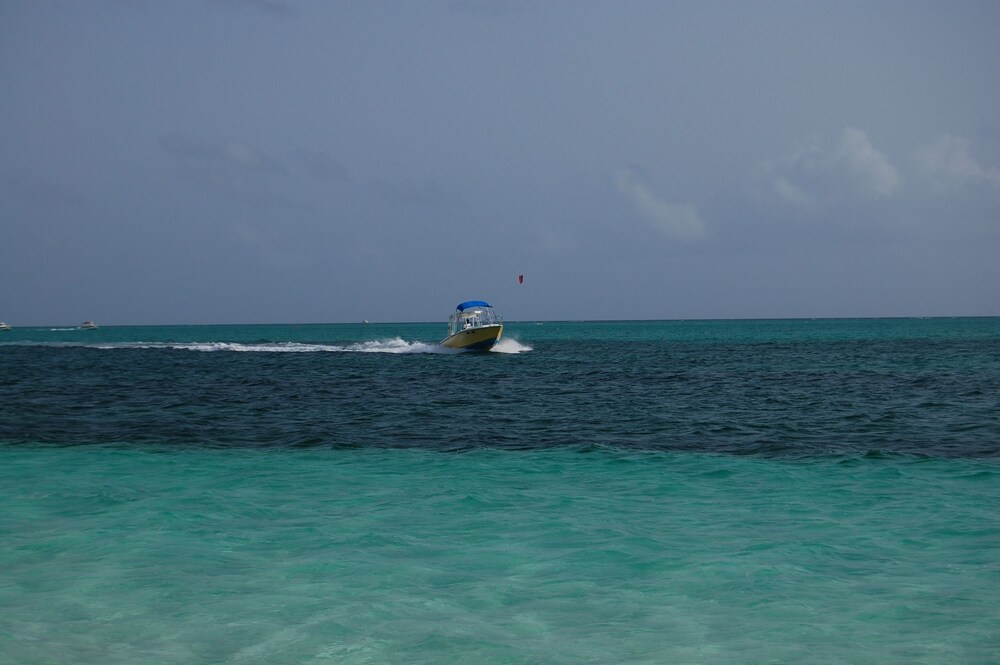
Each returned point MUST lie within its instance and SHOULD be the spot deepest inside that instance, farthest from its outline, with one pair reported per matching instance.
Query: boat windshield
(475, 317)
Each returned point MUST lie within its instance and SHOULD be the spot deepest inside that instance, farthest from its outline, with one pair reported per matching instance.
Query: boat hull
(474, 339)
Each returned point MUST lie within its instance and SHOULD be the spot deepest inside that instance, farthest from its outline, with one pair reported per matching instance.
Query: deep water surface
(773, 388)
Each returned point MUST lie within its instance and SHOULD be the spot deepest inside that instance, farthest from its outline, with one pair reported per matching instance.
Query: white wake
(394, 345)
(509, 345)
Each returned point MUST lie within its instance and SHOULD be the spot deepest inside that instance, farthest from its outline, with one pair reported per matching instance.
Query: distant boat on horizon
(88, 325)
(4, 325)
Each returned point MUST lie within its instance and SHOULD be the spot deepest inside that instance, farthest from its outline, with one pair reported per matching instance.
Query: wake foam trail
(510, 345)
(395, 345)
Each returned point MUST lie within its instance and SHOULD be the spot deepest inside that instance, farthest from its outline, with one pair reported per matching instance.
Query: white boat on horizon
(88, 325)
(4, 325)
(473, 326)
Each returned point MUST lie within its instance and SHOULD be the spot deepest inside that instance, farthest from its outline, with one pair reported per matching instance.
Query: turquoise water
(627, 492)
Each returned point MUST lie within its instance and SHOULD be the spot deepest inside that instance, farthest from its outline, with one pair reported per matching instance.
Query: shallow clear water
(684, 492)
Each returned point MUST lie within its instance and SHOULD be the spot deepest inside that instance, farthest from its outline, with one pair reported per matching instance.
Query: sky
(266, 161)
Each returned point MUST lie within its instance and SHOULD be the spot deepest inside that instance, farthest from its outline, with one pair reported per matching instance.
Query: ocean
(780, 491)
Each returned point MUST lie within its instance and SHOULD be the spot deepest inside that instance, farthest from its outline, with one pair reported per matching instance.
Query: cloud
(489, 8)
(40, 192)
(226, 152)
(948, 163)
(232, 169)
(815, 176)
(867, 165)
(679, 221)
(423, 192)
(792, 194)
(321, 166)
(278, 8)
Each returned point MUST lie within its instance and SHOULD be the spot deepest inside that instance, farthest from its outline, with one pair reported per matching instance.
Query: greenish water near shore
(121, 555)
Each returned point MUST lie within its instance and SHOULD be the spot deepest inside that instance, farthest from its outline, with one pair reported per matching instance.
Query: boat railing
(468, 320)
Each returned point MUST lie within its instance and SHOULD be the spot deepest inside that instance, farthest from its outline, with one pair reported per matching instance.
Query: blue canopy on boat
(469, 304)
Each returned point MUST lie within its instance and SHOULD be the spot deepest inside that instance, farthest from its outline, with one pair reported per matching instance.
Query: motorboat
(473, 326)
(4, 326)
(88, 325)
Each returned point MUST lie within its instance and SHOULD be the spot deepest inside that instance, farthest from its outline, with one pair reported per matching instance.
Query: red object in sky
(520, 279)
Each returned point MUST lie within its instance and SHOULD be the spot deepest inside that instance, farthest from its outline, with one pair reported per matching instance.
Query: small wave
(510, 345)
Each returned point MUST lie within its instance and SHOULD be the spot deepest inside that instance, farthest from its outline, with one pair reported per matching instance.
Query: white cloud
(869, 166)
(810, 178)
(679, 221)
(948, 163)
(793, 194)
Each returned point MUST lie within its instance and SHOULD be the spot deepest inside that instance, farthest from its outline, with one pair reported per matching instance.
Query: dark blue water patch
(782, 399)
